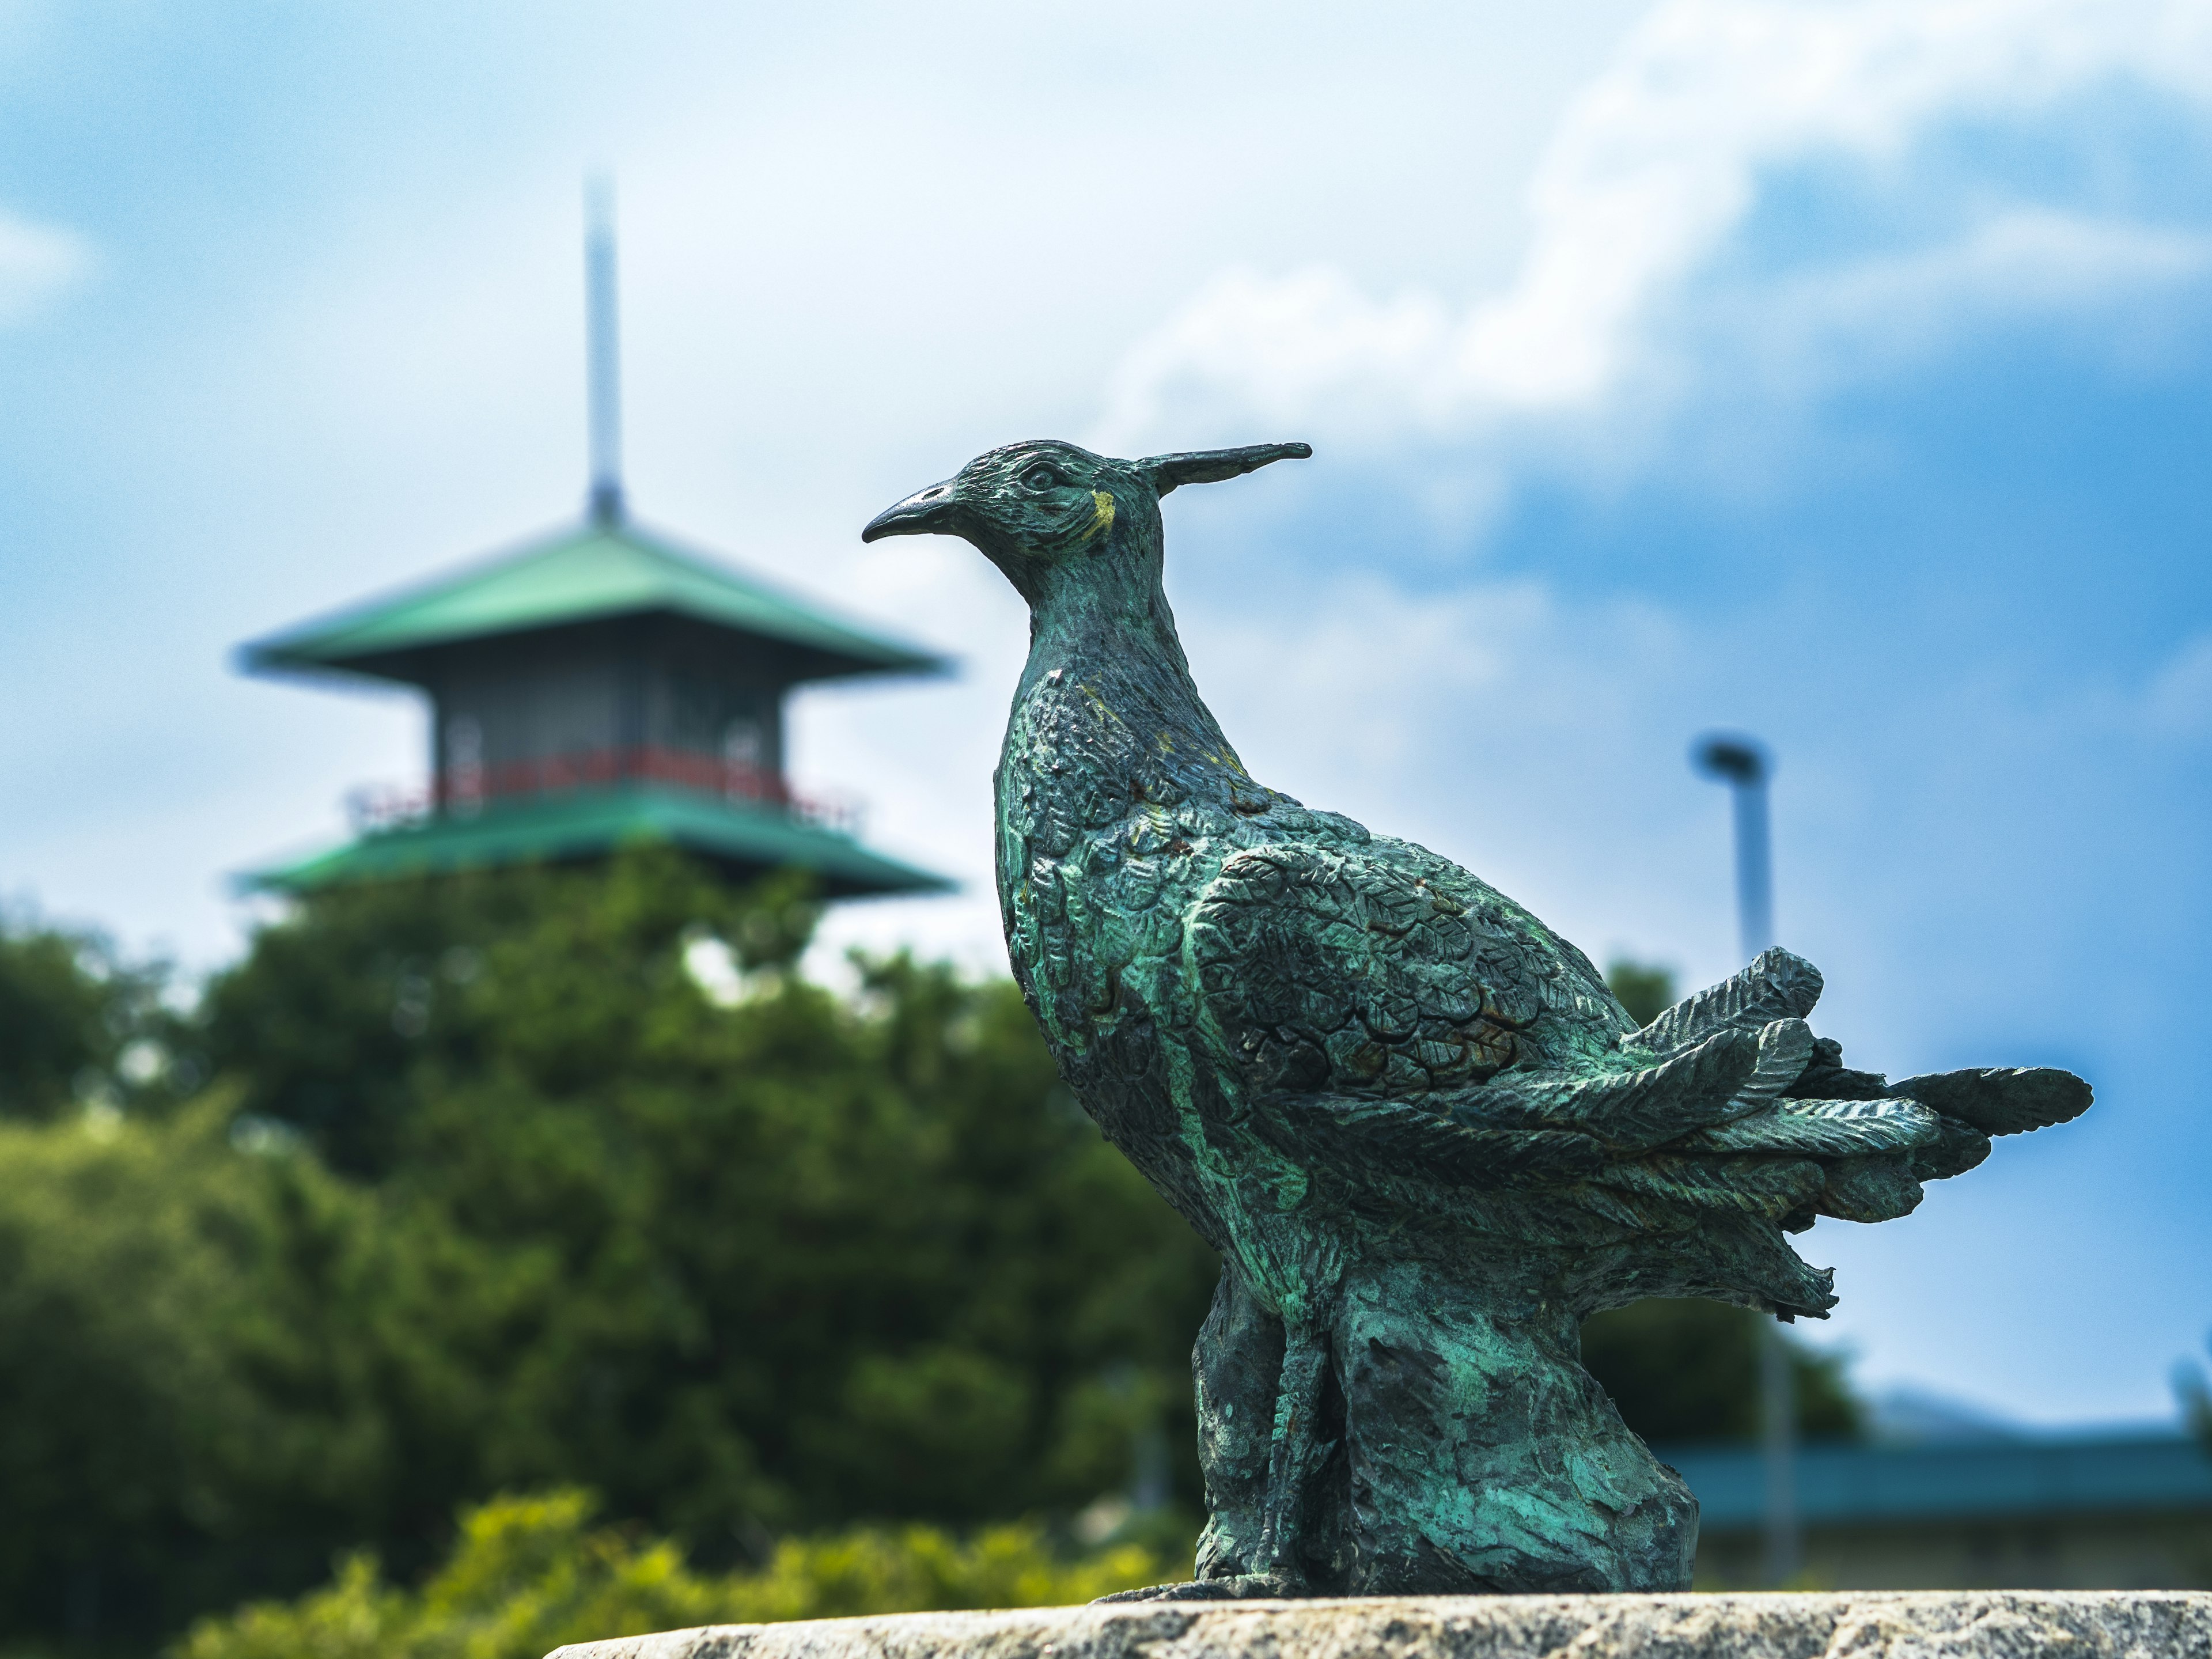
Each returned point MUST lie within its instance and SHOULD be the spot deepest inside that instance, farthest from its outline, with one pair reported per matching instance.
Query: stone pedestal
(1864, 1624)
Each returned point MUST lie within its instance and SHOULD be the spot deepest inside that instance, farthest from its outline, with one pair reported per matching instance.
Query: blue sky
(1840, 372)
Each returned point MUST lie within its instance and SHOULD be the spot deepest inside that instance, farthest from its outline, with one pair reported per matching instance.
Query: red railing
(463, 791)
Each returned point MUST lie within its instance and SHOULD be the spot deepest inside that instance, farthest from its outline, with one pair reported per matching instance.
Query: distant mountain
(1907, 1416)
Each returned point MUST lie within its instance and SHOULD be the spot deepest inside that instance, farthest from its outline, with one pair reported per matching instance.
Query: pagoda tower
(596, 688)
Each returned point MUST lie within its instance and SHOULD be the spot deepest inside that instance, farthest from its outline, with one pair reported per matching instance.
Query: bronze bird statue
(1425, 1139)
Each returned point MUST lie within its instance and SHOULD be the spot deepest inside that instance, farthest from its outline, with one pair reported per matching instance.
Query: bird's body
(1424, 1138)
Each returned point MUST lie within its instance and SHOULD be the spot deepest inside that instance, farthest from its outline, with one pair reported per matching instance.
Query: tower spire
(603, 350)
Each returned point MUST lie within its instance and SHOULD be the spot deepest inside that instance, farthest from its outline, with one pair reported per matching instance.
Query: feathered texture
(1777, 985)
(1825, 1128)
(1628, 1111)
(2003, 1100)
(1424, 1136)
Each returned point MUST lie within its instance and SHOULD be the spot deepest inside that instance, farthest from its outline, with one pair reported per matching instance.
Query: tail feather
(1784, 1046)
(1629, 1111)
(1731, 1074)
(1728, 1256)
(1390, 1135)
(2003, 1100)
(1824, 1129)
(1769, 1187)
(1778, 986)
(1957, 1148)
(1869, 1189)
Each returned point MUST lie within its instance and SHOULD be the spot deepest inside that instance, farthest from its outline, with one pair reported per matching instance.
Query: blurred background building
(593, 689)
(1959, 1505)
(596, 688)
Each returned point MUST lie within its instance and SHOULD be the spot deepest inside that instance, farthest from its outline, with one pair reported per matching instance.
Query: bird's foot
(1240, 1587)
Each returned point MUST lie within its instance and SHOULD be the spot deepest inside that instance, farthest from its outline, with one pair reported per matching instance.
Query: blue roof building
(2114, 1513)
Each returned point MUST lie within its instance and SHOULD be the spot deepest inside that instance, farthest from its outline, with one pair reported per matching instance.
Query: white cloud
(2179, 700)
(36, 262)
(1855, 320)
(1652, 169)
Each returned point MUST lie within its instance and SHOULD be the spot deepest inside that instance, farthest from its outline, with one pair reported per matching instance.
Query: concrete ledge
(1864, 1624)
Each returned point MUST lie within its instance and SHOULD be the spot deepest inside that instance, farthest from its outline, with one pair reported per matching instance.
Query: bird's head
(1044, 510)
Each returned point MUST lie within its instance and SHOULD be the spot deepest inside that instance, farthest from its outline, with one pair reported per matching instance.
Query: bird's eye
(1040, 478)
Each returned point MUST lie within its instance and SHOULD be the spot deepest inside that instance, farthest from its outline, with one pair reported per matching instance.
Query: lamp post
(1744, 765)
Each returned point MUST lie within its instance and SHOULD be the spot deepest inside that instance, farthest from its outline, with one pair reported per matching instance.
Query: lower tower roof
(743, 839)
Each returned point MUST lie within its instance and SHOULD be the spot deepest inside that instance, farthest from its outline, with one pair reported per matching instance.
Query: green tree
(80, 1026)
(216, 1367)
(528, 1574)
(800, 1261)
(338, 1012)
(1646, 990)
(1688, 1371)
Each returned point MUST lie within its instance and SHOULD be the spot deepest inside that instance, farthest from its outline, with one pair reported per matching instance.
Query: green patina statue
(1425, 1139)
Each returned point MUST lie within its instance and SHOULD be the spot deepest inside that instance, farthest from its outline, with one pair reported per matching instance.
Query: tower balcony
(466, 792)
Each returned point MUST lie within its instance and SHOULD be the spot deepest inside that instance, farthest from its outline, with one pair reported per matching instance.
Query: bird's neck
(1112, 644)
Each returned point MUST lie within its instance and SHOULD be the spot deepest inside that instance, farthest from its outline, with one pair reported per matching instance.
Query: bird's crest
(1167, 472)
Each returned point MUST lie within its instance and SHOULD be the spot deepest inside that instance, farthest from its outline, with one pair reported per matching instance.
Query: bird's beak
(926, 512)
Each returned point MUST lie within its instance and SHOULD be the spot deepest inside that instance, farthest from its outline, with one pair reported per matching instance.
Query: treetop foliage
(79, 1026)
(528, 1574)
(1645, 990)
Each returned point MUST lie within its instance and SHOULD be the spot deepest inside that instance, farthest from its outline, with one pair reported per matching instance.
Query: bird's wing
(1392, 1140)
(1728, 1076)
(1336, 973)
(1383, 972)
(1439, 1049)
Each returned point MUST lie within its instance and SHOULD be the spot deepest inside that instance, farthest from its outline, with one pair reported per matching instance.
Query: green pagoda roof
(600, 571)
(588, 825)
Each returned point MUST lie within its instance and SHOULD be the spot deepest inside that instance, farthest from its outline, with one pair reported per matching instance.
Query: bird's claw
(1240, 1587)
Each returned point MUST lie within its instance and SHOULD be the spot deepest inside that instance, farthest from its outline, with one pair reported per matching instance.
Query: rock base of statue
(1861, 1624)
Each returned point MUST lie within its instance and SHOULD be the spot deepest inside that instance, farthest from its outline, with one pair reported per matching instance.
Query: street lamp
(1743, 764)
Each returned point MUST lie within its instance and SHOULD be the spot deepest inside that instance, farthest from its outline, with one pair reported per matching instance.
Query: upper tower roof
(606, 569)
